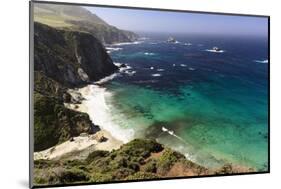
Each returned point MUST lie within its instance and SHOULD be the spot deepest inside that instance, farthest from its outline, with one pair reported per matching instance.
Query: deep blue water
(216, 103)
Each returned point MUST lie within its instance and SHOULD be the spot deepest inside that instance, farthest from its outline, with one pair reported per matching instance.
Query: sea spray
(100, 113)
(172, 133)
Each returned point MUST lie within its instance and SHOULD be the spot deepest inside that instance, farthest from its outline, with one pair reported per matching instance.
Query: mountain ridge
(76, 18)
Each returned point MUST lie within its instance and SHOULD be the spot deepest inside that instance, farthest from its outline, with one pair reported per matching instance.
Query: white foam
(127, 43)
(156, 75)
(118, 64)
(151, 67)
(149, 54)
(160, 70)
(112, 49)
(106, 79)
(187, 44)
(214, 51)
(100, 114)
(130, 73)
(183, 65)
(174, 65)
(191, 69)
(261, 61)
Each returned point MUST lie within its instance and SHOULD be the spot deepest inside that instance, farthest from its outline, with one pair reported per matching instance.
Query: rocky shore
(69, 145)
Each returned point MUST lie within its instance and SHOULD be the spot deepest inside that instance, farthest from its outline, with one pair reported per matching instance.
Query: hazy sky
(176, 22)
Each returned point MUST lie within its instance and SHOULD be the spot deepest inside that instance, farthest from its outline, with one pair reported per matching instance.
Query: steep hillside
(62, 60)
(77, 18)
(71, 58)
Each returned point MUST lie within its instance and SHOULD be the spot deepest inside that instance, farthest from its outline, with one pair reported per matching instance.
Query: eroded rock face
(62, 60)
(69, 57)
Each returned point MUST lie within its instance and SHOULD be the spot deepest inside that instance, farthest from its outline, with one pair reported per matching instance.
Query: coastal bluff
(63, 60)
(69, 57)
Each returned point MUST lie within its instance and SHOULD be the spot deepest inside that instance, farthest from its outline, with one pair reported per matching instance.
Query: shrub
(150, 166)
(141, 176)
(167, 159)
(96, 155)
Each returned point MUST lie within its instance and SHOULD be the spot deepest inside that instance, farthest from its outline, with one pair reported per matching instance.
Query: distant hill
(76, 18)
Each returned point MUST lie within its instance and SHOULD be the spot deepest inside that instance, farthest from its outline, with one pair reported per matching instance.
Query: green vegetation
(77, 18)
(53, 123)
(138, 159)
(167, 160)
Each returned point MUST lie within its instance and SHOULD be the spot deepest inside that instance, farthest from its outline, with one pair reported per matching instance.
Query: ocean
(211, 106)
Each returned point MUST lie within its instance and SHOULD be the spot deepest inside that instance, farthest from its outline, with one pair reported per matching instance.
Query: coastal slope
(76, 18)
(63, 60)
(138, 159)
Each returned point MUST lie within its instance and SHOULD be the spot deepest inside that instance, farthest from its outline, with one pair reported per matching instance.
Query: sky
(179, 22)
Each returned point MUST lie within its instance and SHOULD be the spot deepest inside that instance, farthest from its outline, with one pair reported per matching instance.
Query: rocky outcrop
(68, 57)
(54, 123)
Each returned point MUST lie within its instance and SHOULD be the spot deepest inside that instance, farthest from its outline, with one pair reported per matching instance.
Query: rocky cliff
(62, 60)
(71, 58)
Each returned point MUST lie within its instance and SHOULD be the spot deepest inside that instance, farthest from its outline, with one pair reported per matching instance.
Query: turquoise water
(217, 104)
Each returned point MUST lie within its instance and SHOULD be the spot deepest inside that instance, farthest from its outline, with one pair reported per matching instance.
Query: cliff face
(68, 57)
(77, 18)
(105, 33)
(62, 60)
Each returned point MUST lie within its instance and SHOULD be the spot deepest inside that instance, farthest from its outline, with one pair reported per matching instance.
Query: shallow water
(216, 103)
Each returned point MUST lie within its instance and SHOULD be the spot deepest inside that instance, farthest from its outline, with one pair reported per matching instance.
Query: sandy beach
(81, 146)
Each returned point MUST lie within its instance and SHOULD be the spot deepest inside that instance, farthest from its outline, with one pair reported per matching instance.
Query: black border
(137, 8)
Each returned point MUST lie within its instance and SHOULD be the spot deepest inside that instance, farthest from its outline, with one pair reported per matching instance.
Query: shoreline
(81, 146)
(93, 95)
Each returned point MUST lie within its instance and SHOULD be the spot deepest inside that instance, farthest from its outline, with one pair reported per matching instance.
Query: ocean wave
(151, 67)
(156, 75)
(111, 49)
(183, 65)
(106, 79)
(130, 73)
(191, 69)
(215, 51)
(160, 70)
(122, 69)
(261, 61)
(187, 44)
(149, 54)
(100, 112)
(146, 81)
(127, 43)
